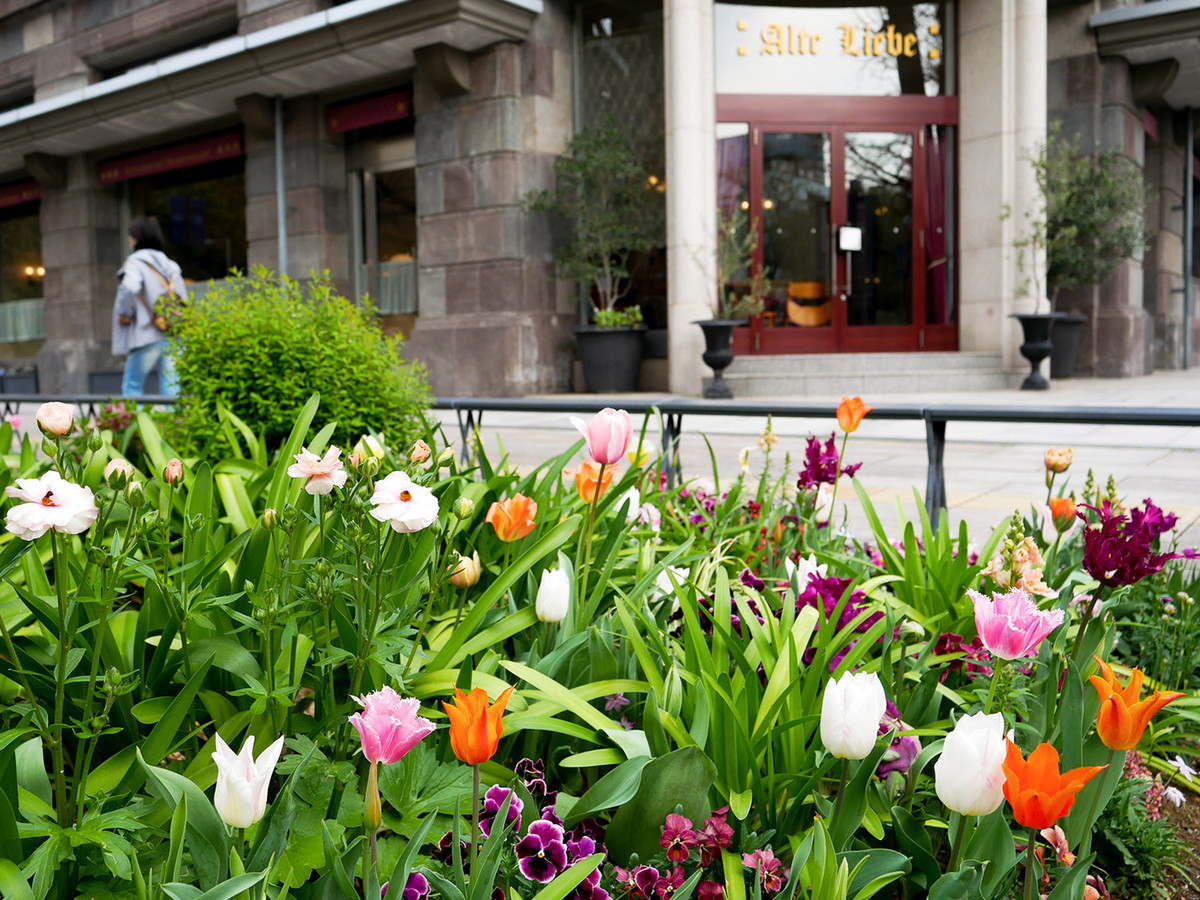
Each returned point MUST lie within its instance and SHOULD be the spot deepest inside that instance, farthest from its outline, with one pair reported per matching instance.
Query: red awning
(168, 159)
(19, 192)
(391, 107)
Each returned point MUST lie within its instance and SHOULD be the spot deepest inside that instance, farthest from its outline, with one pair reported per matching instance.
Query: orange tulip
(588, 479)
(512, 518)
(1062, 512)
(475, 727)
(1123, 717)
(850, 413)
(1038, 794)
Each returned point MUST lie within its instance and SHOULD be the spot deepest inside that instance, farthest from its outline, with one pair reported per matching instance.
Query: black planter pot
(1036, 329)
(611, 358)
(1067, 333)
(718, 354)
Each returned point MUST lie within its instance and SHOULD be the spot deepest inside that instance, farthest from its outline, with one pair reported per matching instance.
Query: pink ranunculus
(404, 504)
(1010, 625)
(389, 725)
(49, 503)
(323, 473)
(55, 418)
(607, 435)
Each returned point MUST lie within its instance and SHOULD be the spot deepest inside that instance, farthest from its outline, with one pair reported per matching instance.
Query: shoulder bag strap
(141, 294)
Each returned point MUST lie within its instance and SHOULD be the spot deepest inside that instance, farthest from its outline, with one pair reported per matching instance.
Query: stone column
(1162, 265)
(82, 248)
(492, 320)
(691, 186)
(1002, 113)
(314, 170)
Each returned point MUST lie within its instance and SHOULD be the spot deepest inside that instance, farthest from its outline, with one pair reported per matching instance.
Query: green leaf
(683, 778)
(567, 881)
(13, 885)
(614, 788)
(225, 891)
(205, 830)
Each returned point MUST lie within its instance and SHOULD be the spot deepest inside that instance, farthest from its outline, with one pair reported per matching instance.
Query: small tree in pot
(612, 208)
(1093, 220)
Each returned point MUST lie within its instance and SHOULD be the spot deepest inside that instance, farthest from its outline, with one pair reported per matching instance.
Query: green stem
(1085, 846)
(843, 781)
(584, 556)
(58, 726)
(1031, 866)
(435, 580)
(376, 607)
(837, 476)
(1000, 671)
(956, 850)
(474, 819)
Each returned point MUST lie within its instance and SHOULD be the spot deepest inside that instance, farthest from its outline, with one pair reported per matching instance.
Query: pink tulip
(1010, 625)
(389, 725)
(607, 435)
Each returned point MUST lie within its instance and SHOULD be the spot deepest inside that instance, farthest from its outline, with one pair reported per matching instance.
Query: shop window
(939, 226)
(202, 211)
(385, 239)
(620, 68)
(21, 274)
(880, 50)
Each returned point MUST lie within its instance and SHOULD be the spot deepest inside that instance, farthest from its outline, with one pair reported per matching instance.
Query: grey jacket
(132, 278)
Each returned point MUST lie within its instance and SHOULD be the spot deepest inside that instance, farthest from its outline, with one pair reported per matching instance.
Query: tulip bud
(372, 806)
(135, 494)
(173, 471)
(369, 445)
(117, 473)
(420, 452)
(95, 441)
(463, 507)
(270, 518)
(466, 571)
(56, 419)
(1058, 459)
(553, 596)
(969, 775)
(851, 710)
(445, 459)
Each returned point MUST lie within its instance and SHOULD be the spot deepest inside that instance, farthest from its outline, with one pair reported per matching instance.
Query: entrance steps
(868, 374)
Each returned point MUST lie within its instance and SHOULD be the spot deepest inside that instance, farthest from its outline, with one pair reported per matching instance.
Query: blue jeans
(142, 361)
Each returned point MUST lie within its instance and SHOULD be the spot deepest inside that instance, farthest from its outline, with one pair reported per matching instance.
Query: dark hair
(146, 233)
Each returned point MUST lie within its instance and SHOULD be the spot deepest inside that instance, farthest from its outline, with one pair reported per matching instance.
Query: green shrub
(261, 346)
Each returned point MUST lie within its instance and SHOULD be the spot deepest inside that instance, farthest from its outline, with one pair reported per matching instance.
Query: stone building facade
(410, 130)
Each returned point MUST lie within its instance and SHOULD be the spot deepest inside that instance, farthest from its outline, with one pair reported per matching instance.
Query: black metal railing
(469, 412)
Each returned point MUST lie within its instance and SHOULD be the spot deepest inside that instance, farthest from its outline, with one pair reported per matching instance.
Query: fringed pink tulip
(389, 725)
(1010, 625)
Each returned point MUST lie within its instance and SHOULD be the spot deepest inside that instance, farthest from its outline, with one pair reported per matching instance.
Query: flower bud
(463, 507)
(1058, 459)
(466, 571)
(354, 460)
(49, 448)
(135, 494)
(117, 473)
(420, 452)
(95, 441)
(369, 445)
(553, 596)
(173, 471)
(270, 518)
(370, 465)
(98, 556)
(851, 711)
(56, 419)
(911, 631)
(445, 459)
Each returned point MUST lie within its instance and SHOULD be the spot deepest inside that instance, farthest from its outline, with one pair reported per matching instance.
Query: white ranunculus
(553, 596)
(49, 503)
(851, 711)
(403, 504)
(242, 781)
(56, 418)
(968, 775)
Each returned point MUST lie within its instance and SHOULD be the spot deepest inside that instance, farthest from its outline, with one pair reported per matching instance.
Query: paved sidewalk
(991, 469)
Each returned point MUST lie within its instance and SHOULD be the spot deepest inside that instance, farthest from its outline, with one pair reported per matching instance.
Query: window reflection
(879, 201)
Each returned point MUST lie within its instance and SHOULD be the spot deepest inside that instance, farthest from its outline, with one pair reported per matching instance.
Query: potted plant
(1093, 220)
(741, 293)
(613, 209)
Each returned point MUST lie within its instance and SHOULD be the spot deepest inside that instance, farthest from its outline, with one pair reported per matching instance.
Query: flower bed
(381, 674)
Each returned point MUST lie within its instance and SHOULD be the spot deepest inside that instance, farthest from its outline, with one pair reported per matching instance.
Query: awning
(354, 43)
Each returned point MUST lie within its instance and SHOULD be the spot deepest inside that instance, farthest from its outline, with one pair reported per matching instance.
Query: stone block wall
(493, 321)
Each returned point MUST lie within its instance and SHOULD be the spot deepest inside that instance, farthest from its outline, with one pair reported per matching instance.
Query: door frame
(837, 116)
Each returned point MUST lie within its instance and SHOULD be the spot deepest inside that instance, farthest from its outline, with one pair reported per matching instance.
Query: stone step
(868, 384)
(863, 363)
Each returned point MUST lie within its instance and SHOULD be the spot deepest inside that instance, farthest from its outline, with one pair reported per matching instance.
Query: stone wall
(493, 321)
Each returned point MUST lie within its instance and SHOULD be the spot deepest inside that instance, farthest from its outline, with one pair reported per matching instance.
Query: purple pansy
(542, 854)
(492, 801)
(677, 838)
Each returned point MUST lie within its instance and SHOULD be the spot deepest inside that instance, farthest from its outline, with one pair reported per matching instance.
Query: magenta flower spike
(607, 435)
(1118, 550)
(1010, 625)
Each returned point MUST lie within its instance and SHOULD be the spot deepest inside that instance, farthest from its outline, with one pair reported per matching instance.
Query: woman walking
(148, 274)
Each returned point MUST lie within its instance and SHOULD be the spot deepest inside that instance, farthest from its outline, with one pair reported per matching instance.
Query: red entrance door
(848, 196)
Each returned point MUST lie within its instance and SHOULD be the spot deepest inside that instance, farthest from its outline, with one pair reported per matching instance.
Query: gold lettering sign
(789, 40)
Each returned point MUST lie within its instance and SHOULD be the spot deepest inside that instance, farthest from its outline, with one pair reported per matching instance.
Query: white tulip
(850, 714)
(968, 775)
(553, 596)
(242, 781)
(804, 570)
